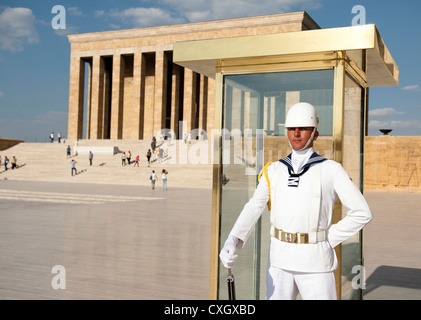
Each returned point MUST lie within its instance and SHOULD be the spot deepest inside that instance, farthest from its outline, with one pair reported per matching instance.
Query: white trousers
(285, 285)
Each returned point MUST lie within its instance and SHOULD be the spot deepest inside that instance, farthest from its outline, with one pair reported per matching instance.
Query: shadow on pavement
(394, 277)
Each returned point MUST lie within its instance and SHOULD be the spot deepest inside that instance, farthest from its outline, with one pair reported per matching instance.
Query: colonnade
(133, 95)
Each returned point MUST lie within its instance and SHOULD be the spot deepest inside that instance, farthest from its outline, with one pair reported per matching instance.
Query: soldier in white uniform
(302, 189)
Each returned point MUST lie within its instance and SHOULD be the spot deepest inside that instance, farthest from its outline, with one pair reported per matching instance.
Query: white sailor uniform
(292, 204)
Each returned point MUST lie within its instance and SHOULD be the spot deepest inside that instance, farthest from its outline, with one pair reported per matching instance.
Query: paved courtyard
(114, 241)
(392, 246)
(131, 242)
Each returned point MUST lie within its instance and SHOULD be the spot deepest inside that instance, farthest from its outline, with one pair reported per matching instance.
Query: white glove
(227, 255)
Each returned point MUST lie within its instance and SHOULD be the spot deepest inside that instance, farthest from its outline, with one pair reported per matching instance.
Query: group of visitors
(126, 158)
(59, 137)
(5, 162)
(153, 178)
(157, 150)
(188, 138)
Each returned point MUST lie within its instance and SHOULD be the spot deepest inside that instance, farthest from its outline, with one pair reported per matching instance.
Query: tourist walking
(14, 162)
(153, 179)
(123, 159)
(136, 161)
(164, 179)
(153, 144)
(148, 156)
(68, 152)
(91, 156)
(73, 166)
(6, 161)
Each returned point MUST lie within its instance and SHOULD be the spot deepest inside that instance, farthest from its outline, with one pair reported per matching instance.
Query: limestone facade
(392, 163)
(133, 89)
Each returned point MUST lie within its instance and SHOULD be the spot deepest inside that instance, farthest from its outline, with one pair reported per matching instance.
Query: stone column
(227, 124)
(236, 107)
(189, 105)
(247, 111)
(97, 104)
(210, 121)
(139, 93)
(117, 98)
(291, 98)
(76, 95)
(149, 95)
(203, 103)
(89, 99)
(175, 98)
(160, 99)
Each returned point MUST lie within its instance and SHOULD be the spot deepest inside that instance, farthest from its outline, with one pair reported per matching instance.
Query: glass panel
(352, 162)
(254, 112)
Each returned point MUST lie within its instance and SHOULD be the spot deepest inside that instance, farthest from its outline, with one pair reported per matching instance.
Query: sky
(35, 55)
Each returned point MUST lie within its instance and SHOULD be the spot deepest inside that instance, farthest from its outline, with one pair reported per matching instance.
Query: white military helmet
(302, 114)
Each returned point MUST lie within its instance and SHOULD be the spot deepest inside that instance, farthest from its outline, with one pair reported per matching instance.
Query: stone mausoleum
(124, 84)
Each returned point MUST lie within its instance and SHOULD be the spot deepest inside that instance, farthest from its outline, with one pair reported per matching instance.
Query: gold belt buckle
(293, 237)
(303, 237)
(289, 237)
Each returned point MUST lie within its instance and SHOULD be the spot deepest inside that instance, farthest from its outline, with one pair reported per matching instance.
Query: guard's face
(299, 136)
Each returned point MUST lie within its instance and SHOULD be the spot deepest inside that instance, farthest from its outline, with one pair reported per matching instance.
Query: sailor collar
(294, 178)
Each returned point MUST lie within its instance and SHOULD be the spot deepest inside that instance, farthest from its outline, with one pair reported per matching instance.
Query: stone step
(189, 165)
(48, 162)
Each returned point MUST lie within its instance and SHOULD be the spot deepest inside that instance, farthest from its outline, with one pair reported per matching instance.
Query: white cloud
(17, 26)
(195, 10)
(144, 17)
(198, 15)
(384, 112)
(222, 9)
(99, 13)
(68, 30)
(411, 88)
(115, 26)
(408, 124)
(74, 11)
(184, 11)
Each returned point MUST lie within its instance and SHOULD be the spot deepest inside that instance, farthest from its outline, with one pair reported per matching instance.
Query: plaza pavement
(123, 240)
(114, 241)
(392, 246)
(126, 242)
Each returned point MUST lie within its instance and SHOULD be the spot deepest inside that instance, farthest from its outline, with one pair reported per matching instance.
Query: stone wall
(393, 163)
(7, 143)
